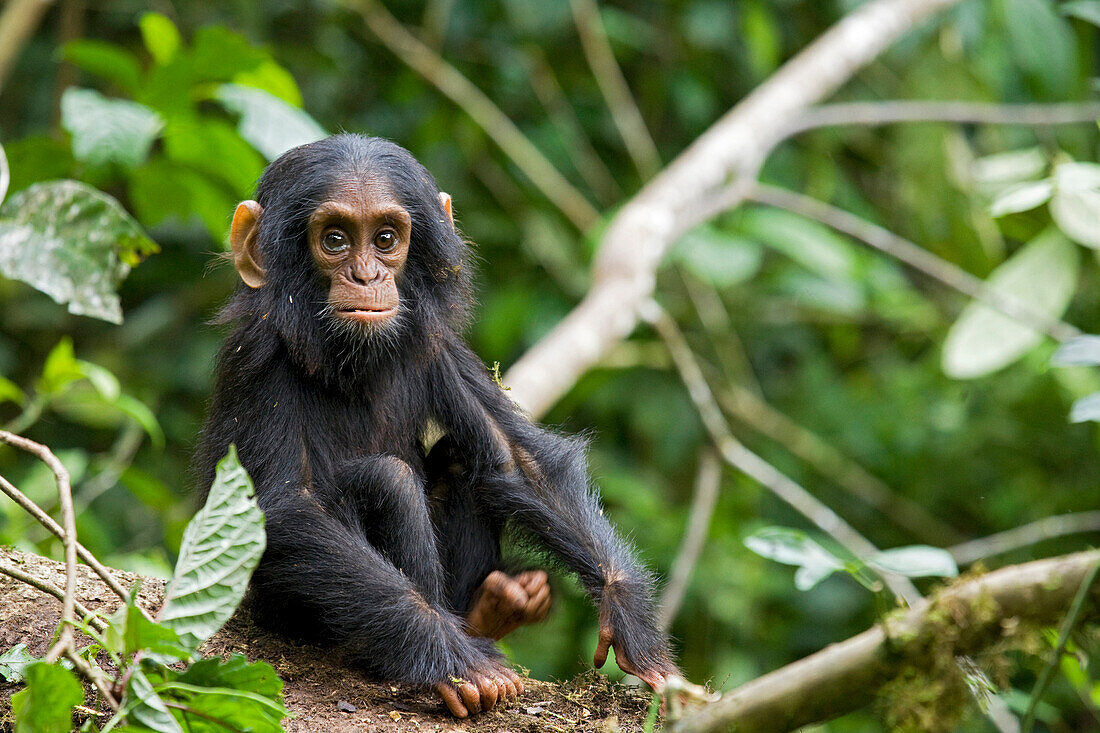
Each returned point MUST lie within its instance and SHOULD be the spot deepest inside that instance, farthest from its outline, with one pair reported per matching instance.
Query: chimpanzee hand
(652, 667)
(480, 689)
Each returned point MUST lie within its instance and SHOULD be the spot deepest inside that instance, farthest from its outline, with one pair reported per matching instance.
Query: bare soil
(323, 694)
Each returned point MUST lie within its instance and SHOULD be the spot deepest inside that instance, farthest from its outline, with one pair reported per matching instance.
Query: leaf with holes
(73, 243)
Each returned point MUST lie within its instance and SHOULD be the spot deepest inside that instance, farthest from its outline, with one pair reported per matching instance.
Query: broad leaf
(916, 561)
(73, 243)
(161, 37)
(1075, 206)
(242, 695)
(105, 60)
(1014, 166)
(108, 130)
(1042, 275)
(221, 547)
(14, 661)
(10, 392)
(1021, 197)
(1081, 351)
(812, 245)
(131, 631)
(1086, 409)
(270, 124)
(722, 259)
(1043, 44)
(792, 547)
(1084, 9)
(144, 707)
(46, 705)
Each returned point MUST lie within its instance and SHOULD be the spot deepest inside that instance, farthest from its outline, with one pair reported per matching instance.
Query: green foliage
(73, 243)
(108, 130)
(221, 547)
(14, 661)
(46, 704)
(269, 123)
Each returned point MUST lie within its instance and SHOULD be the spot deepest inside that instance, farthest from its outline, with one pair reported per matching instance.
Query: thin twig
(1025, 535)
(528, 158)
(1063, 639)
(68, 519)
(95, 676)
(47, 587)
(741, 458)
(18, 22)
(47, 521)
(609, 77)
(872, 114)
(703, 501)
(915, 256)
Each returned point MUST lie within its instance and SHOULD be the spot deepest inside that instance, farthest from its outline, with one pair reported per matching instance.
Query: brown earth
(322, 694)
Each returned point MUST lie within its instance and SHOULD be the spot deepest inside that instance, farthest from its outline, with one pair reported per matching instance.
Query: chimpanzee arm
(540, 480)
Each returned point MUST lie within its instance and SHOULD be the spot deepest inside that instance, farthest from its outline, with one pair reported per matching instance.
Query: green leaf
(221, 547)
(792, 547)
(1021, 197)
(1042, 43)
(1086, 409)
(1075, 207)
(273, 78)
(1014, 166)
(246, 696)
(1084, 9)
(1081, 351)
(218, 54)
(1043, 275)
(143, 706)
(722, 259)
(73, 243)
(916, 561)
(131, 631)
(46, 705)
(60, 369)
(214, 147)
(161, 37)
(812, 245)
(271, 125)
(108, 130)
(10, 392)
(105, 60)
(162, 190)
(140, 413)
(14, 661)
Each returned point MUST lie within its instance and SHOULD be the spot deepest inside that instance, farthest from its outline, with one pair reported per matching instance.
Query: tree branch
(609, 77)
(46, 587)
(18, 22)
(703, 501)
(1025, 535)
(426, 62)
(624, 275)
(846, 676)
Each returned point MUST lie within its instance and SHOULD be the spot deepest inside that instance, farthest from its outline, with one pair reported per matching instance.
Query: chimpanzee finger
(487, 687)
(471, 696)
(450, 698)
(515, 679)
(539, 603)
(532, 580)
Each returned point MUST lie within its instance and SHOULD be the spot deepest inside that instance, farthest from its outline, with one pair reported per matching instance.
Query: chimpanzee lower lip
(367, 315)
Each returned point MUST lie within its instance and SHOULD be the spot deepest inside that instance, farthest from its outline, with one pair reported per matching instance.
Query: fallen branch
(846, 676)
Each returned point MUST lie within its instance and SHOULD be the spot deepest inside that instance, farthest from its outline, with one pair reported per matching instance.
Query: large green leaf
(812, 245)
(1075, 207)
(792, 547)
(916, 561)
(105, 60)
(270, 124)
(46, 705)
(221, 547)
(108, 130)
(1042, 275)
(239, 694)
(73, 243)
(161, 37)
(1042, 43)
(143, 706)
(14, 661)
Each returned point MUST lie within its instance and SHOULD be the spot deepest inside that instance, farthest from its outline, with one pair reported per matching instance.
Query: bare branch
(609, 77)
(634, 244)
(741, 458)
(47, 521)
(68, 519)
(485, 113)
(703, 501)
(913, 255)
(1025, 536)
(846, 676)
(18, 22)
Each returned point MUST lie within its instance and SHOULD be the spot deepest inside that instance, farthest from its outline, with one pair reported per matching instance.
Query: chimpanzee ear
(244, 237)
(445, 200)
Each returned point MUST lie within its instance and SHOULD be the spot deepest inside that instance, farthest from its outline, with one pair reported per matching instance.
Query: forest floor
(322, 694)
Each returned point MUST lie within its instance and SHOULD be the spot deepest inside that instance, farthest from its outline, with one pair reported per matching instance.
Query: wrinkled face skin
(359, 240)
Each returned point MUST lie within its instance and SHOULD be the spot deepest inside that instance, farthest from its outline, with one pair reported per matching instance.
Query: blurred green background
(838, 338)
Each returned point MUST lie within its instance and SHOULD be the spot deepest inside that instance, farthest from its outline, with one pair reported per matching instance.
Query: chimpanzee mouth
(367, 315)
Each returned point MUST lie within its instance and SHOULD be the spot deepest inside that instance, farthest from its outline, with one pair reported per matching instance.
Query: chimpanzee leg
(468, 539)
(384, 496)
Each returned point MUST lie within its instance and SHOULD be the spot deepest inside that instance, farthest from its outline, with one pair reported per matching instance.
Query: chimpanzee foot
(505, 602)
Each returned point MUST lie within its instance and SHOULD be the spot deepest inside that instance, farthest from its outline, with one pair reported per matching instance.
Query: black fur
(371, 544)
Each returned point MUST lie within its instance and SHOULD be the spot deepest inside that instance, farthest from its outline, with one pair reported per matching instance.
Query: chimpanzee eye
(386, 240)
(334, 241)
